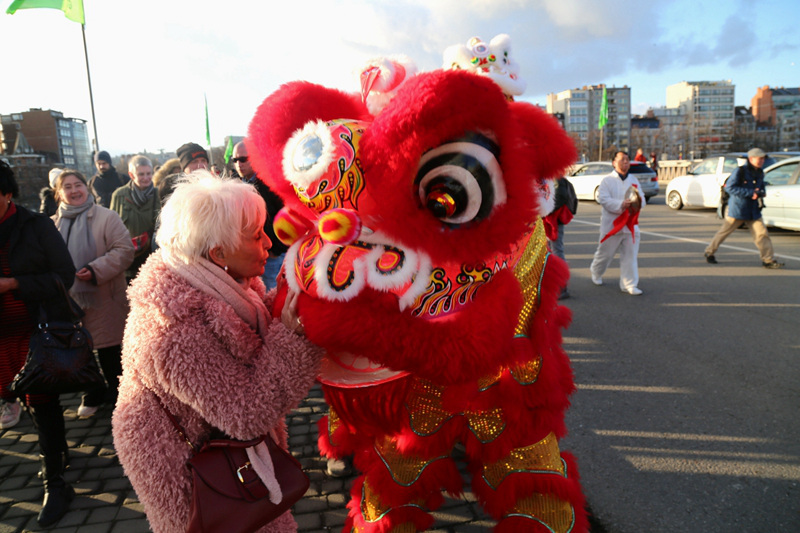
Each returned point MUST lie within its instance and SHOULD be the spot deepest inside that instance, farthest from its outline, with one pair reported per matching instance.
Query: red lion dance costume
(425, 274)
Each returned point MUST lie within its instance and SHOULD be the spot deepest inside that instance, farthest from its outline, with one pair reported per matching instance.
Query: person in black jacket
(274, 204)
(32, 256)
(49, 204)
(106, 181)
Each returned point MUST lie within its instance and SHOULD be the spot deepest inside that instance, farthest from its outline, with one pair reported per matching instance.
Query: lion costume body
(425, 274)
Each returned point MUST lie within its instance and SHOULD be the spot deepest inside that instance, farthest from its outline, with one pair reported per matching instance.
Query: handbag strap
(172, 419)
(76, 313)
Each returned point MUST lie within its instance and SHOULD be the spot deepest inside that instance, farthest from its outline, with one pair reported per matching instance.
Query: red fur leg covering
(533, 501)
(397, 490)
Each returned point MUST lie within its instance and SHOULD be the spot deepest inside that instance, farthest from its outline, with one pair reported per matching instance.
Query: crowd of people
(172, 268)
(114, 243)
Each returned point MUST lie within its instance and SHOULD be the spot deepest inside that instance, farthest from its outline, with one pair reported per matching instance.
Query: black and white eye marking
(461, 181)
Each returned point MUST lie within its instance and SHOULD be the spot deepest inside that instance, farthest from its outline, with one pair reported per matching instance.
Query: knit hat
(53, 176)
(189, 152)
(102, 156)
(756, 152)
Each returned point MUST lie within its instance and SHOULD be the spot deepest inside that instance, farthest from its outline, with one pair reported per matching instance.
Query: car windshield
(640, 169)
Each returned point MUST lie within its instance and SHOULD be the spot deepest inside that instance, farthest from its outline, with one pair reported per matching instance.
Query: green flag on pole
(603, 111)
(228, 150)
(73, 9)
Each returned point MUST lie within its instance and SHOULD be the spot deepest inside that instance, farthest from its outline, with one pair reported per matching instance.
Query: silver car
(586, 178)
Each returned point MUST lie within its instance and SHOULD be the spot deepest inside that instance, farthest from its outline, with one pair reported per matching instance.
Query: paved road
(685, 418)
(686, 414)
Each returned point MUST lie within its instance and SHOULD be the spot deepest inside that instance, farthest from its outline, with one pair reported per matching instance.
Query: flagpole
(91, 96)
(600, 154)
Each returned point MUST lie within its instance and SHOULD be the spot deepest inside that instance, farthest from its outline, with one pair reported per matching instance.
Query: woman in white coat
(101, 249)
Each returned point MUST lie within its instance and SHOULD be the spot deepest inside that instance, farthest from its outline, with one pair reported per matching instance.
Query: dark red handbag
(227, 494)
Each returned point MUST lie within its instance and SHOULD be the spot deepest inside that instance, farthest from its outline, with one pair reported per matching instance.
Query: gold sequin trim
(555, 514)
(373, 510)
(405, 470)
(527, 372)
(486, 425)
(528, 271)
(333, 423)
(541, 457)
(487, 381)
(425, 408)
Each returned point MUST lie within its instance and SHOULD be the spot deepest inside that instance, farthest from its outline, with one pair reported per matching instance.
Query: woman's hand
(8, 284)
(84, 274)
(289, 316)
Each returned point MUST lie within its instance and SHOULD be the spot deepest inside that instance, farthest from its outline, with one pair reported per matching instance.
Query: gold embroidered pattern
(528, 271)
(541, 457)
(555, 514)
(486, 425)
(487, 381)
(425, 408)
(527, 372)
(405, 470)
(373, 510)
(333, 423)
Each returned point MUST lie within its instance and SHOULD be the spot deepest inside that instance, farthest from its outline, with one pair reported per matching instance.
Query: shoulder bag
(228, 495)
(60, 355)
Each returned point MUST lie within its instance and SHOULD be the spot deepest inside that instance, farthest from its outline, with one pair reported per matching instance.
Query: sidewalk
(106, 503)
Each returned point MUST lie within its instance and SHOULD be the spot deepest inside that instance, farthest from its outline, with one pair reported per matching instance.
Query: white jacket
(611, 195)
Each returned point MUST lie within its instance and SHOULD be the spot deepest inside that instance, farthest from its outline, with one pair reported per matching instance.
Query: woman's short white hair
(204, 212)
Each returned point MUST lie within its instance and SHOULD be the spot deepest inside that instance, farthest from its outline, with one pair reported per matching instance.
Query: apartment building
(708, 108)
(59, 139)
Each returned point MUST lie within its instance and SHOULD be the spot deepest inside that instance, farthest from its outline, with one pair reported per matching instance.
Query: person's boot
(57, 493)
(48, 418)
(50, 415)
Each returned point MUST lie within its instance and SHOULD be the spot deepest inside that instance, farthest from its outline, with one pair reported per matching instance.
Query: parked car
(586, 178)
(701, 186)
(782, 202)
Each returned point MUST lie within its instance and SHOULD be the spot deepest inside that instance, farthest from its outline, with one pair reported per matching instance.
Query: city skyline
(152, 67)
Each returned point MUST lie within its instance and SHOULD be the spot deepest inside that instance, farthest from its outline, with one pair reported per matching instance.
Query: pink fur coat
(210, 369)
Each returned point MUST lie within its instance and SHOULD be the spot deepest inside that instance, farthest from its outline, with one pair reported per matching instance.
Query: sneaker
(597, 281)
(564, 295)
(9, 414)
(711, 259)
(773, 265)
(633, 291)
(338, 467)
(87, 411)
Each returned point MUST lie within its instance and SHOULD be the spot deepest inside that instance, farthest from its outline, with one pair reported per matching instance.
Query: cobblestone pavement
(106, 503)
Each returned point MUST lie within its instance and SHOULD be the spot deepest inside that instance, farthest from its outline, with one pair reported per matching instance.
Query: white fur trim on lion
(307, 154)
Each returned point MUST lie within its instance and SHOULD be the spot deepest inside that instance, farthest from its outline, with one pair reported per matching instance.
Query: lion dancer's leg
(405, 471)
(533, 488)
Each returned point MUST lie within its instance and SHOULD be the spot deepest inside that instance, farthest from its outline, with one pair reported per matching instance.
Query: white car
(782, 202)
(586, 178)
(701, 187)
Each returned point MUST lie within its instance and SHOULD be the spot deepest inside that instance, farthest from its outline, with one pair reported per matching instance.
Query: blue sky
(152, 61)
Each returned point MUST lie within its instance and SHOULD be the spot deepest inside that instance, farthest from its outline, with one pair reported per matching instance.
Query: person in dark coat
(746, 191)
(49, 204)
(32, 257)
(274, 204)
(106, 181)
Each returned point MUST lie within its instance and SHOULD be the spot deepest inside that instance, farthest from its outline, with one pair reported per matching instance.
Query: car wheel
(674, 200)
(597, 194)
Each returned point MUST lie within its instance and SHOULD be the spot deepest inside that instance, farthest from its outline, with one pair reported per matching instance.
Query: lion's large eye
(461, 181)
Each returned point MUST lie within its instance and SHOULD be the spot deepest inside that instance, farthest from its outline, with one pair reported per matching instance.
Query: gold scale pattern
(543, 456)
(555, 513)
(528, 272)
(373, 510)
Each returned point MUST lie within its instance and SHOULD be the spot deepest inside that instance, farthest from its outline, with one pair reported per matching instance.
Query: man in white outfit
(619, 228)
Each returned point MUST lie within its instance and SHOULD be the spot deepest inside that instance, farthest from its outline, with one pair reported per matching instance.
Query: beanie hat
(189, 152)
(53, 176)
(102, 156)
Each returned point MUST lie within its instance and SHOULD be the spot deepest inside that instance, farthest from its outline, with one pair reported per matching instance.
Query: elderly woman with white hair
(200, 342)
